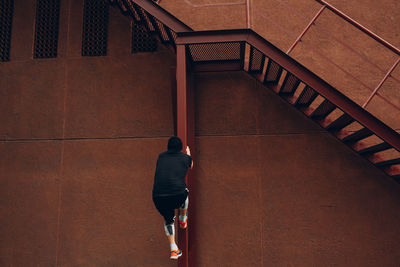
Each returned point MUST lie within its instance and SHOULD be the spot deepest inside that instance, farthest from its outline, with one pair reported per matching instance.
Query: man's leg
(165, 206)
(170, 232)
(169, 228)
(183, 213)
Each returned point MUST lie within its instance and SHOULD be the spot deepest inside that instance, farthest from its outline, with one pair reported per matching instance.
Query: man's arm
(188, 153)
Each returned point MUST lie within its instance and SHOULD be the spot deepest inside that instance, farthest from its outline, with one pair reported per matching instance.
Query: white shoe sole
(175, 257)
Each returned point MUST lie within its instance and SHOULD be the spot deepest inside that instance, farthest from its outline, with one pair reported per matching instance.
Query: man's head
(174, 144)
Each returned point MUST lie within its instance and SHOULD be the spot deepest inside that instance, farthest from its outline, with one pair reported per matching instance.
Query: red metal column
(185, 131)
(174, 97)
(182, 131)
(191, 179)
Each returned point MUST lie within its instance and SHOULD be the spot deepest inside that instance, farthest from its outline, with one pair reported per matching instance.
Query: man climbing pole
(170, 191)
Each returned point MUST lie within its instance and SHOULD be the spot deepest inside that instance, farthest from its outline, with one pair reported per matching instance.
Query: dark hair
(174, 144)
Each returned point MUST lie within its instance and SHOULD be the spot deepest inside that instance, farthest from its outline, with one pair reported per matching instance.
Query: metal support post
(185, 131)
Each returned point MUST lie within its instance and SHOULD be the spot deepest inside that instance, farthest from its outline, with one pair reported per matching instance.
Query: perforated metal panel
(6, 15)
(257, 60)
(142, 41)
(132, 10)
(306, 97)
(46, 31)
(289, 84)
(95, 25)
(216, 51)
(273, 72)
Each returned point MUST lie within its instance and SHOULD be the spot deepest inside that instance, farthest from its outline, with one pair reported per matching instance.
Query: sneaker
(183, 224)
(175, 254)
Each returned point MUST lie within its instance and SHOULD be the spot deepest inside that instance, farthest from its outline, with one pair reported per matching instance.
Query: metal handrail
(360, 27)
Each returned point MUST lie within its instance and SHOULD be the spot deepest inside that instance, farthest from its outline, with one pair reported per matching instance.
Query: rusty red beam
(185, 116)
(301, 72)
(162, 15)
(213, 36)
(360, 27)
(174, 98)
(182, 132)
(191, 179)
(214, 4)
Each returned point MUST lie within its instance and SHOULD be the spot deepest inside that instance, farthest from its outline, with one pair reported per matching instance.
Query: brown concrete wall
(274, 189)
(359, 63)
(79, 140)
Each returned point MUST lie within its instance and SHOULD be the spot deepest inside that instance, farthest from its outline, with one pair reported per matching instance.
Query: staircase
(245, 50)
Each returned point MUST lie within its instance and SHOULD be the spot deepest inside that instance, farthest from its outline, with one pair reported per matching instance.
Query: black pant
(166, 205)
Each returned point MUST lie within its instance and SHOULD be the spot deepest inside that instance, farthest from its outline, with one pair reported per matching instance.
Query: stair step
(132, 11)
(387, 163)
(144, 20)
(152, 24)
(375, 149)
(323, 110)
(122, 6)
(171, 37)
(289, 85)
(340, 123)
(357, 136)
(306, 97)
(159, 29)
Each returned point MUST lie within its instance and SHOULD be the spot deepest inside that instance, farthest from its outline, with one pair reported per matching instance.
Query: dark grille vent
(46, 33)
(216, 51)
(95, 24)
(141, 40)
(6, 15)
(257, 60)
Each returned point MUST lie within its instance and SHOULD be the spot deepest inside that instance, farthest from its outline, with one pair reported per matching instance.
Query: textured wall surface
(79, 138)
(79, 141)
(274, 189)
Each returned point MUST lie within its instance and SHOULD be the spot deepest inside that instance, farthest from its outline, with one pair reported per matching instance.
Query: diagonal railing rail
(393, 49)
(360, 27)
